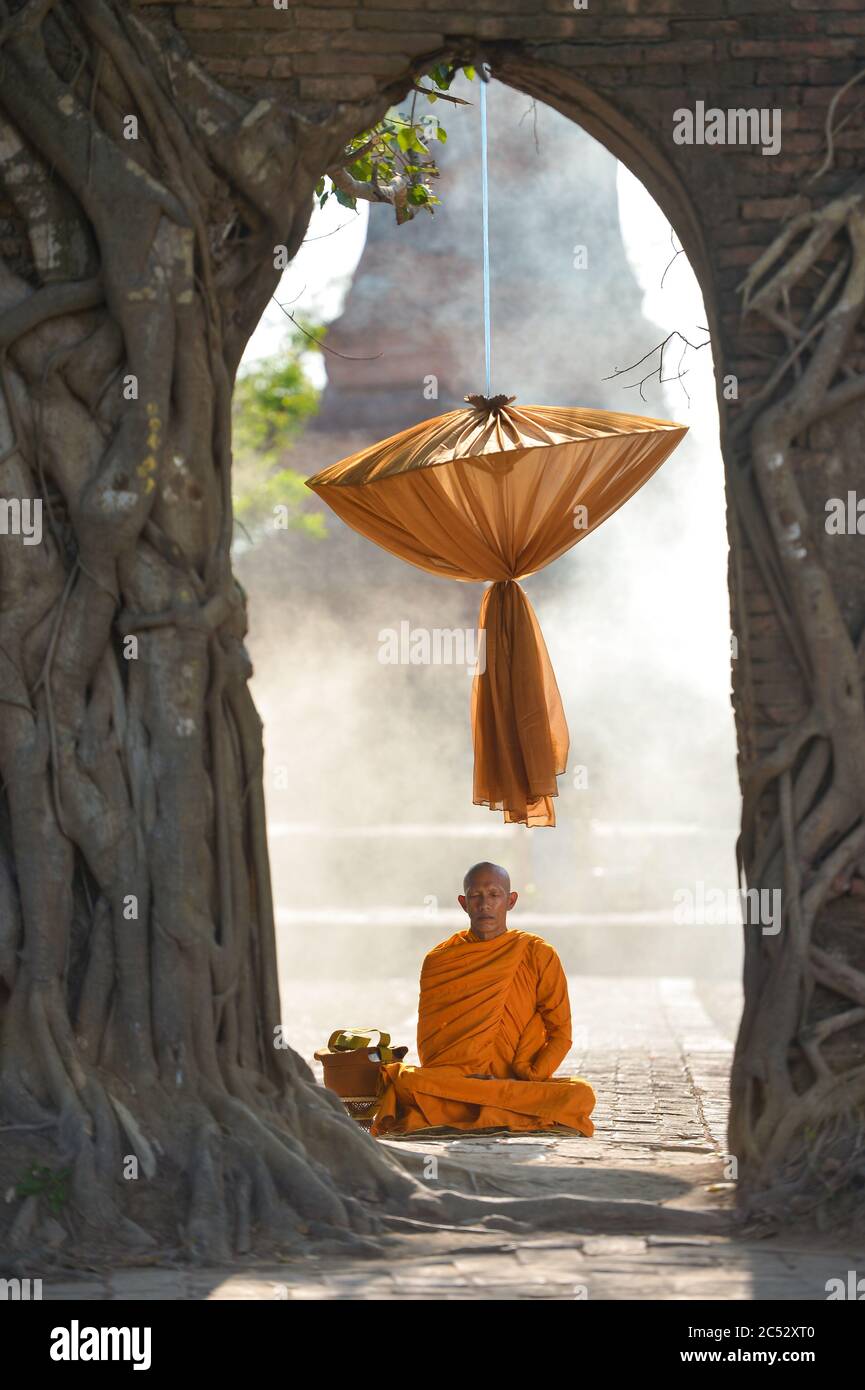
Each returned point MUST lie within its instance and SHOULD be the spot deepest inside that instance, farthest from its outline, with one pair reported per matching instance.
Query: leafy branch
(392, 162)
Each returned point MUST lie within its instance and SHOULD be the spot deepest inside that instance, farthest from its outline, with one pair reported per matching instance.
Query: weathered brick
(835, 72)
(515, 7)
(800, 140)
(306, 41)
(401, 6)
(296, 4)
(503, 27)
(208, 17)
(780, 75)
(749, 8)
(855, 24)
(255, 67)
(741, 233)
(587, 56)
(773, 208)
(442, 21)
(738, 255)
(816, 47)
(337, 88)
(703, 28)
(336, 60)
(632, 28)
(308, 18)
(418, 41)
(780, 166)
(821, 5)
(673, 52)
(718, 78)
(385, 43)
(809, 118)
(614, 78)
(587, 15)
(220, 67)
(683, 9)
(241, 43)
(782, 25)
(657, 74)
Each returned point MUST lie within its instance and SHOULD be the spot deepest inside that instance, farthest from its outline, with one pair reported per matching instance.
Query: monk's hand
(523, 1073)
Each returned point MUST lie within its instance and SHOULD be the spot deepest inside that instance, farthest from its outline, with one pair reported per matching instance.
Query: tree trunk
(798, 1079)
(140, 1009)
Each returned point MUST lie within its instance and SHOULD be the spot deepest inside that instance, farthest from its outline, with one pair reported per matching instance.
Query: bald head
(487, 898)
(485, 869)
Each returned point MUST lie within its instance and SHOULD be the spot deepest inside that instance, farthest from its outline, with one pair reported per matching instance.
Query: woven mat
(440, 1132)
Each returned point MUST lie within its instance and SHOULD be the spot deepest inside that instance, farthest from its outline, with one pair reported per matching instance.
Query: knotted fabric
(495, 493)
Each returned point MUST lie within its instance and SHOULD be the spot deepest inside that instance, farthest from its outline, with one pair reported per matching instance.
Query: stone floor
(652, 1189)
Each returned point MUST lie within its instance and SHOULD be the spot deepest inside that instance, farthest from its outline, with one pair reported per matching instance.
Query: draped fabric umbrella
(494, 492)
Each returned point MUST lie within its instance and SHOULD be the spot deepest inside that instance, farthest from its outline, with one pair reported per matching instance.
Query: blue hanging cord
(485, 203)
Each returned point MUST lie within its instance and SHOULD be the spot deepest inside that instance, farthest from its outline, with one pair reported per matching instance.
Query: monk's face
(487, 900)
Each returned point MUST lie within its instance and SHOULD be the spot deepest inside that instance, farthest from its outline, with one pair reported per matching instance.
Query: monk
(493, 1024)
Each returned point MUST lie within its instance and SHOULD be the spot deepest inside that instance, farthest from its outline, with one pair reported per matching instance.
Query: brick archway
(314, 75)
(621, 76)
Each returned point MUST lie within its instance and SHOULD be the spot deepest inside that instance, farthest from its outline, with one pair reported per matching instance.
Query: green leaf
(443, 76)
(362, 169)
(345, 199)
(319, 187)
(442, 135)
(470, 73)
(405, 139)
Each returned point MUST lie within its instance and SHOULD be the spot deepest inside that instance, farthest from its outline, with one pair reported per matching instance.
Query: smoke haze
(369, 765)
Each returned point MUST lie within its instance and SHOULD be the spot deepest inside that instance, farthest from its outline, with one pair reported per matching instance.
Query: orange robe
(499, 1007)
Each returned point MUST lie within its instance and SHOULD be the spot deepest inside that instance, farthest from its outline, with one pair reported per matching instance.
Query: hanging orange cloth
(495, 492)
(498, 1008)
(518, 723)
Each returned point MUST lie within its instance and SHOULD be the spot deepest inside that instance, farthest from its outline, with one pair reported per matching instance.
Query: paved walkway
(652, 1186)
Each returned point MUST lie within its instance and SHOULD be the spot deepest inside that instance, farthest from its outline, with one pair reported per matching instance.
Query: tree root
(803, 827)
